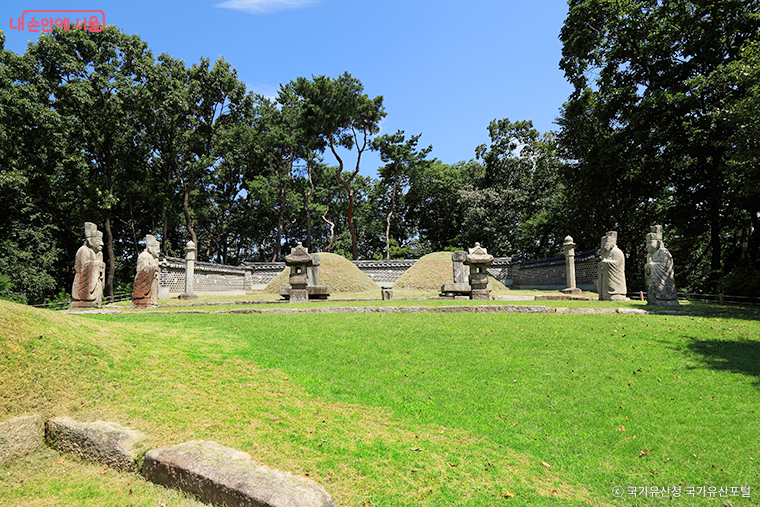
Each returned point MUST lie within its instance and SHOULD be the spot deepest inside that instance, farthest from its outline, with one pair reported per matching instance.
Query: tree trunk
(306, 197)
(111, 259)
(388, 224)
(332, 229)
(188, 218)
(280, 227)
(346, 185)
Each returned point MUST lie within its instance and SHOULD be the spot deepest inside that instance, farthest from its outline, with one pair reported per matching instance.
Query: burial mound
(335, 271)
(432, 271)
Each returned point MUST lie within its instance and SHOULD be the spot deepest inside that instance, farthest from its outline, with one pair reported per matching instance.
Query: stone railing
(550, 273)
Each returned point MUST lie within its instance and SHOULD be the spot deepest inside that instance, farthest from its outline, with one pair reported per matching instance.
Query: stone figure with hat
(658, 271)
(89, 268)
(612, 285)
(145, 290)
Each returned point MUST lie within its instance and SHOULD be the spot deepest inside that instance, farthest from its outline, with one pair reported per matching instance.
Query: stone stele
(89, 268)
(225, 476)
(461, 284)
(658, 271)
(145, 291)
(612, 285)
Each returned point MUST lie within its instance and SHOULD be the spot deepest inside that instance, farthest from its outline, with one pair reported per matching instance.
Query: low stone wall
(384, 273)
(501, 268)
(549, 274)
(263, 272)
(238, 280)
(209, 278)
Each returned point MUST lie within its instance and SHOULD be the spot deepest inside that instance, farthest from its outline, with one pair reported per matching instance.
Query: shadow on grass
(736, 356)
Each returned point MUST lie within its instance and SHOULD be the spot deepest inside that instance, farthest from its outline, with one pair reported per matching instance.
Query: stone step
(225, 476)
(104, 442)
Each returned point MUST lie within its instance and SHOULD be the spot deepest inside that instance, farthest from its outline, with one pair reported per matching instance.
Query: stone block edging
(104, 442)
(226, 476)
(20, 436)
(218, 475)
(414, 309)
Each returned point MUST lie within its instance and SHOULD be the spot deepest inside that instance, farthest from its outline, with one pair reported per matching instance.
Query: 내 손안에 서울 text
(43, 21)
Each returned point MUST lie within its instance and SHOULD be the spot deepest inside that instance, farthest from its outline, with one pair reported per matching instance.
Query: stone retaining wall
(384, 273)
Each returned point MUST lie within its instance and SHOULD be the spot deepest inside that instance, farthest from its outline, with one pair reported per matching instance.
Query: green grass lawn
(407, 409)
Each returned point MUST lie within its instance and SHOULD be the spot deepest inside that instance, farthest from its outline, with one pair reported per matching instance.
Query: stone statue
(611, 270)
(658, 271)
(145, 291)
(87, 291)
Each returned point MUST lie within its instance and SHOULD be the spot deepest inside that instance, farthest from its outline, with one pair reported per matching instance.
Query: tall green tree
(339, 114)
(97, 80)
(645, 143)
(515, 208)
(402, 158)
(433, 202)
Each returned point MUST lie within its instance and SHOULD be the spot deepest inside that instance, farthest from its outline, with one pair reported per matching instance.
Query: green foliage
(514, 210)
(654, 130)
(741, 281)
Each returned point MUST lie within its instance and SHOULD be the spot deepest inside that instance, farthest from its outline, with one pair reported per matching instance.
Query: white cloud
(264, 6)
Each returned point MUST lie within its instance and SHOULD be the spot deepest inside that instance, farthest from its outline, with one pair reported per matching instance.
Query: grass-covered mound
(335, 271)
(432, 271)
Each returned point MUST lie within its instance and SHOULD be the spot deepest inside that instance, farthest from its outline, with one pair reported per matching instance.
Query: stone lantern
(478, 259)
(304, 276)
(298, 261)
(569, 247)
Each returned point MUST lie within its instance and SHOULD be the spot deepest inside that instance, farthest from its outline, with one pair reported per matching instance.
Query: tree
(339, 114)
(97, 80)
(516, 204)
(30, 136)
(402, 158)
(433, 202)
(642, 136)
(191, 109)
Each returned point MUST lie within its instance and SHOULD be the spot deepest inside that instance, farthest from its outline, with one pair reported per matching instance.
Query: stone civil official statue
(145, 291)
(658, 271)
(612, 285)
(89, 268)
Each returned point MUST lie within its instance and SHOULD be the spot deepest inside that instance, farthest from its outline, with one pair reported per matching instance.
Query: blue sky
(445, 68)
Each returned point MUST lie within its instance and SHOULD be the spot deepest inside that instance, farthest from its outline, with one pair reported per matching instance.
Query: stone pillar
(478, 259)
(569, 247)
(190, 256)
(387, 294)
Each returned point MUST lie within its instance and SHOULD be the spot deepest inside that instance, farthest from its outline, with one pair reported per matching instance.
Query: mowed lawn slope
(424, 409)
